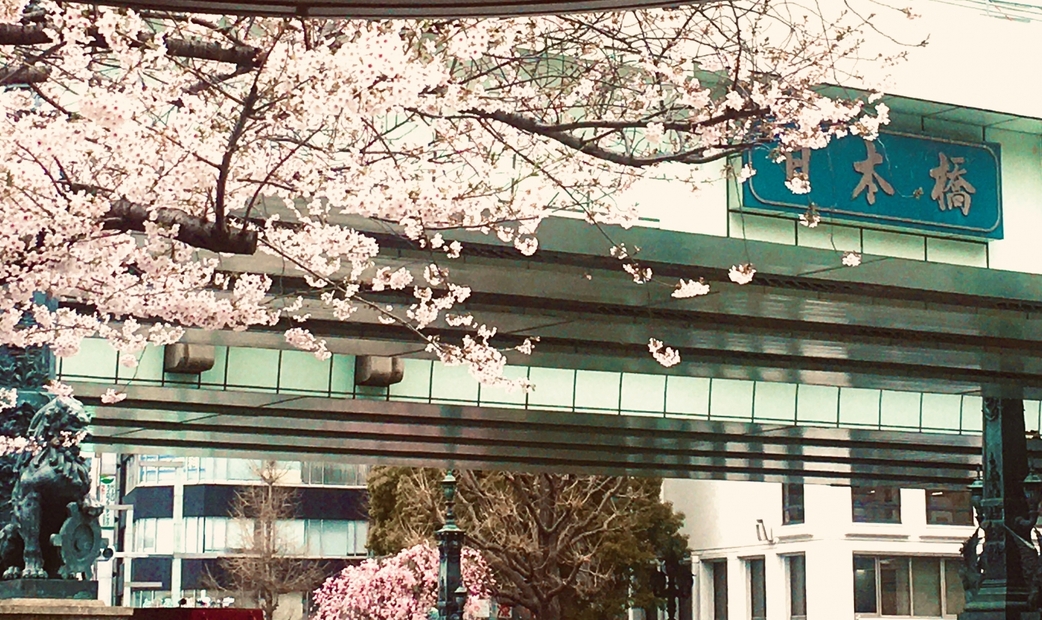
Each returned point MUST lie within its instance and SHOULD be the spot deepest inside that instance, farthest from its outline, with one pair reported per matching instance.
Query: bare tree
(560, 545)
(268, 564)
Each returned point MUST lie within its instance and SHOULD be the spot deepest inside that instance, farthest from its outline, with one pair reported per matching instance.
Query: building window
(333, 474)
(865, 598)
(334, 538)
(719, 570)
(149, 598)
(876, 504)
(152, 469)
(894, 587)
(949, 508)
(797, 569)
(212, 534)
(792, 504)
(907, 586)
(757, 589)
(154, 536)
(329, 538)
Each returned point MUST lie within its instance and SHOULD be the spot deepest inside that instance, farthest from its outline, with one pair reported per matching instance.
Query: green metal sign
(896, 181)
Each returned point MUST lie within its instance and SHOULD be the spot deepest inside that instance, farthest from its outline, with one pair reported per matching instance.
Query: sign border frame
(859, 219)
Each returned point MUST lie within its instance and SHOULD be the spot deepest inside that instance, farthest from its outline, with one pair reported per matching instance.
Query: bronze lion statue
(53, 524)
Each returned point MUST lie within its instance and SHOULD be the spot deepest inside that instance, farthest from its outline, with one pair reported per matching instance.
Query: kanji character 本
(950, 189)
(870, 179)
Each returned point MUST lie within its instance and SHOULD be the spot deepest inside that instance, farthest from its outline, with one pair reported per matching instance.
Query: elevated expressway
(889, 324)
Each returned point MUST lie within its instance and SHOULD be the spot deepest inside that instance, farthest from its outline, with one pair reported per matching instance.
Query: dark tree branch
(192, 230)
(241, 55)
(24, 74)
(23, 34)
(229, 152)
(528, 125)
(679, 126)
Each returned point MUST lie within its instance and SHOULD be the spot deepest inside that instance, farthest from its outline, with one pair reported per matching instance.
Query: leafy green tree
(560, 545)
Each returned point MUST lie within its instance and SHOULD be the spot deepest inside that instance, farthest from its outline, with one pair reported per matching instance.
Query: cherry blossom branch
(23, 34)
(229, 153)
(130, 125)
(246, 56)
(691, 156)
(192, 230)
(428, 340)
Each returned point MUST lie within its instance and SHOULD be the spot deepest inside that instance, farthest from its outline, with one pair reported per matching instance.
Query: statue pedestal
(997, 614)
(64, 589)
(59, 609)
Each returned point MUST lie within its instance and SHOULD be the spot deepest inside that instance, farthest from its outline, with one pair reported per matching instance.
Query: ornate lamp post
(673, 581)
(1000, 583)
(451, 593)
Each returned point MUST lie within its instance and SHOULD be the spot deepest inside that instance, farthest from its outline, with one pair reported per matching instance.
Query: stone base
(998, 614)
(197, 613)
(59, 609)
(67, 589)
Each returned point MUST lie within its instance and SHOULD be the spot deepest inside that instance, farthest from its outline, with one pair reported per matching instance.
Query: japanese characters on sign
(870, 179)
(951, 190)
(896, 181)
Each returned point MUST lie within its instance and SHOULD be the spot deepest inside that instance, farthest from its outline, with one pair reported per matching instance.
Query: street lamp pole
(451, 593)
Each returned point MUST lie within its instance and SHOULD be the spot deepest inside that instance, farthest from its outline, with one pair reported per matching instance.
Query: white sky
(973, 58)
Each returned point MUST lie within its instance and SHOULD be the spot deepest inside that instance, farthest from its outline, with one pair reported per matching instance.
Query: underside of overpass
(173, 420)
(890, 325)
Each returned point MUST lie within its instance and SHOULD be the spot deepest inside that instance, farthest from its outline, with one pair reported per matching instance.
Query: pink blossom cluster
(400, 587)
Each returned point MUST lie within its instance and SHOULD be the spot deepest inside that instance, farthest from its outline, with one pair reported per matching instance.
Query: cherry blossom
(741, 274)
(111, 396)
(851, 259)
(59, 389)
(798, 184)
(400, 587)
(811, 218)
(691, 288)
(667, 356)
(154, 161)
(8, 398)
(640, 274)
(306, 341)
(745, 173)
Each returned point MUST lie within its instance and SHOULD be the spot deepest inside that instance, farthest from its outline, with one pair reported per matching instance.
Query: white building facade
(766, 551)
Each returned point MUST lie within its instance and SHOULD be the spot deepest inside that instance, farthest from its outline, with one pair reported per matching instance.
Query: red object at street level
(385, 9)
(196, 613)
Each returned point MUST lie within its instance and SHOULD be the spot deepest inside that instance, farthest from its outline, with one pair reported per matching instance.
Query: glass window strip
(841, 421)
